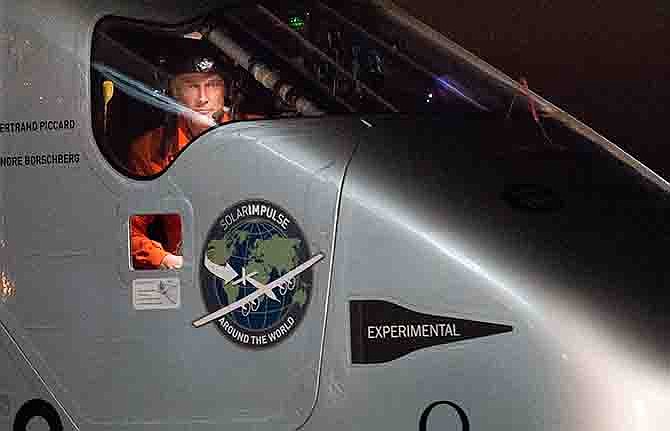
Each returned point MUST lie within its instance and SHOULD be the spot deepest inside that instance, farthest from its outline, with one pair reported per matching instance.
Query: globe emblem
(259, 246)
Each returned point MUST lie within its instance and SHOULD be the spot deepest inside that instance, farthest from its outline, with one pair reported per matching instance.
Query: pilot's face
(201, 92)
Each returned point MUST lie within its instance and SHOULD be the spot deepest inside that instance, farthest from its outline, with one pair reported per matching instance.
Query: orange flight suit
(145, 160)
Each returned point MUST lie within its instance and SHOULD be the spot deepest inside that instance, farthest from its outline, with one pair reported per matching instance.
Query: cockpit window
(154, 89)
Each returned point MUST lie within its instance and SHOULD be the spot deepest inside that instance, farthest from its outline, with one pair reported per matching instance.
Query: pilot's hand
(170, 261)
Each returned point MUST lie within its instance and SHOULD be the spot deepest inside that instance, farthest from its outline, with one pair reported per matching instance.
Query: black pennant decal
(382, 331)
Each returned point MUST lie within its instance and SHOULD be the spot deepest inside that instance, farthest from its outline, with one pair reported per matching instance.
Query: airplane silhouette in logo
(228, 274)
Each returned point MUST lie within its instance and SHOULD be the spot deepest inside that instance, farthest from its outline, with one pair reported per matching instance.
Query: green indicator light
(296, 22)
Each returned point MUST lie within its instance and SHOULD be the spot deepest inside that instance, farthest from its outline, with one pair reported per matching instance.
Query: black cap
(185, 55)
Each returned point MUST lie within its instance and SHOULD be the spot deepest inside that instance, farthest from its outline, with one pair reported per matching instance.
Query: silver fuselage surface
(542, 265)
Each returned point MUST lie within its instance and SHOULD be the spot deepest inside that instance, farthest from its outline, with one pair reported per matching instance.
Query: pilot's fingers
(170, 261)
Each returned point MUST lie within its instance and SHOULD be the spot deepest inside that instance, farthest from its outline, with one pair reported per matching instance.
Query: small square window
(156, 241)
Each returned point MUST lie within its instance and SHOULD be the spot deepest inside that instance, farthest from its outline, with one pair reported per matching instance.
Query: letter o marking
(37, 408)
(423, 422)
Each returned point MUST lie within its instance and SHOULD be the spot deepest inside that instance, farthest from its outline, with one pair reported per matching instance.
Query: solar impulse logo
(256, 276)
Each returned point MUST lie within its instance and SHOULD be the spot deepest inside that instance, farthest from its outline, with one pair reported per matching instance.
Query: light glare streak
(450, 87)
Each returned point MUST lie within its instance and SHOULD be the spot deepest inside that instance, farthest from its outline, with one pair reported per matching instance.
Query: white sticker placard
(156, 294)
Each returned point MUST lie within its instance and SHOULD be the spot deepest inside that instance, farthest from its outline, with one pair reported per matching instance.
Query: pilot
(198, 83)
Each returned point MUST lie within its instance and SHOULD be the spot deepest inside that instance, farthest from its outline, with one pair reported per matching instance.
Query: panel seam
(330, 281)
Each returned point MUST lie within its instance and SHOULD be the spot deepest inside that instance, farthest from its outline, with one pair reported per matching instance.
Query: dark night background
(607, 63)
